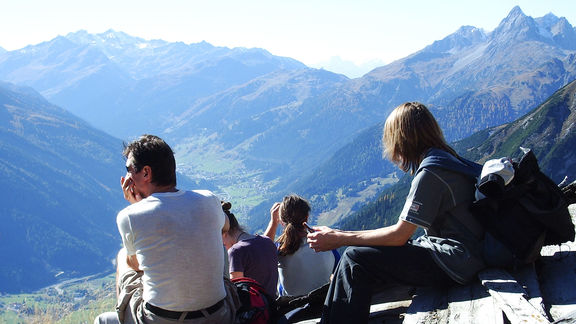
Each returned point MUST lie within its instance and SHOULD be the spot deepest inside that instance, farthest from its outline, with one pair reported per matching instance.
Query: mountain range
(128, 77)
(249, 125)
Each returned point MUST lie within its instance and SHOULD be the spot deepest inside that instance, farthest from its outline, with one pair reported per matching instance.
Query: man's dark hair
(152, 151)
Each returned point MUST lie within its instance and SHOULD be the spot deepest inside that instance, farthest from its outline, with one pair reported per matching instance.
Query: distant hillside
(265, 123)
(547, 130)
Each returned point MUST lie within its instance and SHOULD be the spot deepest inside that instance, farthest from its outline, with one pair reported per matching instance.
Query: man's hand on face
(131, 195)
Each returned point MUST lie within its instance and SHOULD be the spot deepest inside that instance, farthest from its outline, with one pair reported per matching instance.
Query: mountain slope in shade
(59, 193)
(547, 130)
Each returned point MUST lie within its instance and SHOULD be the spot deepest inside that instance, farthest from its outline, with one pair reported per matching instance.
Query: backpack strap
(462, 207)
(336, 259)
(569, 192)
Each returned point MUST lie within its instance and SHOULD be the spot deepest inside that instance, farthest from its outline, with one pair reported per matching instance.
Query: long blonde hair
(410, 130)
(293, 212)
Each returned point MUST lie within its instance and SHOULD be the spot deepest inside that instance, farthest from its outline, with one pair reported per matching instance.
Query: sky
(312, 31)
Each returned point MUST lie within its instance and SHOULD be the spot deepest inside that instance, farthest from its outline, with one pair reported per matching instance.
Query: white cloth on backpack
(502, 167)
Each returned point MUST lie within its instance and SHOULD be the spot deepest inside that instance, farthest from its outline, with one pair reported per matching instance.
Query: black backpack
(521, 217)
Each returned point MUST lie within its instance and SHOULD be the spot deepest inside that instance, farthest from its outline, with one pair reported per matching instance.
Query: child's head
(294, 210)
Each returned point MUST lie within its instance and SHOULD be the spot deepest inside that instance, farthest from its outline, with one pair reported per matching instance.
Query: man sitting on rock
(167, 270)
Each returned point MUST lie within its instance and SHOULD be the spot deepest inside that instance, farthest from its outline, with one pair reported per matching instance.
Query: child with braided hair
(300, 268)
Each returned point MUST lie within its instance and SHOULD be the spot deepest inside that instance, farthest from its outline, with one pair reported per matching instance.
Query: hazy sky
(311, 31)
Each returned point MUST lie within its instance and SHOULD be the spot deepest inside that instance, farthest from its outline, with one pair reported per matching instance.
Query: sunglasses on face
(131, 169)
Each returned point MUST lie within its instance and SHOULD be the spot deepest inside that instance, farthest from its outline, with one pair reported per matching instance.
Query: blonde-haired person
(441, 191)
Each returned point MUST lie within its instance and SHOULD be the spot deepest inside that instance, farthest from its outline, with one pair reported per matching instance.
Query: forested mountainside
(350, 178)
(548, 130)
(59, 192)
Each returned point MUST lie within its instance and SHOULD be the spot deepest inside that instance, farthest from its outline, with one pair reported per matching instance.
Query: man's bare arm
(325, 238)
(132, 262)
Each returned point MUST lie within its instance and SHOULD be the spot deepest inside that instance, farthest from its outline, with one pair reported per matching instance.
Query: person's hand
(324, 239)
(275, 213)
(274, 220)
(128, 189)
